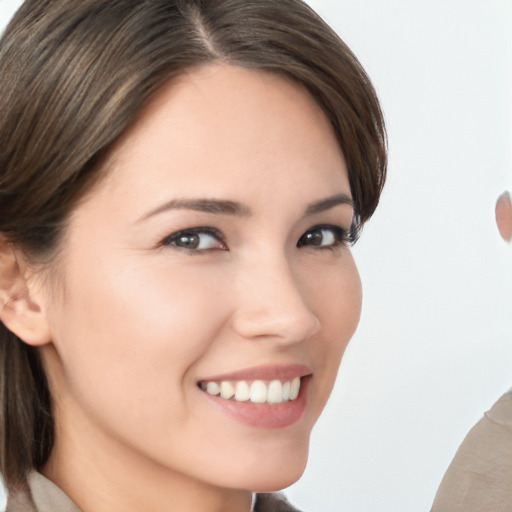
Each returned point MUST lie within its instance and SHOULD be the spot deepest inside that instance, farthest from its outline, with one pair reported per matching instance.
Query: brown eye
(197, 239)
(188, 241)
(324, 236)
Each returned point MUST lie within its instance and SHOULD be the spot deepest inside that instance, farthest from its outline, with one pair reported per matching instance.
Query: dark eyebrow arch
(329, 202)
(215, 206)
(225, 207)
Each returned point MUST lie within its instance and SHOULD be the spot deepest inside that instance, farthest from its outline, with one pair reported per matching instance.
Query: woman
(180, 184)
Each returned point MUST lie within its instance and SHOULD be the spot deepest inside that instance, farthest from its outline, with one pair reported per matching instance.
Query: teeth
(286, 391)
(275, 392)
(259, 392)
(226, 390)
(213, 388)
(294, 388)
(242, 392)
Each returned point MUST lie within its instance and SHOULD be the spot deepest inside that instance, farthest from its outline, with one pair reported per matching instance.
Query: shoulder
(39, 495)
(501, 411)
(479, 475)
(20, 500)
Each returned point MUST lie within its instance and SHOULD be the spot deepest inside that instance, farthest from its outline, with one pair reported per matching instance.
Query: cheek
(337, 304)
(130, 335)
(336, 299)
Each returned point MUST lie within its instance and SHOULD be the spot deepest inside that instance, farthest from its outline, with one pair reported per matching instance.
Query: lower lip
(265, 415)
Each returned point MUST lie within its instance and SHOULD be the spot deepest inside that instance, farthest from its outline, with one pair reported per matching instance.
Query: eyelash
(341, 238)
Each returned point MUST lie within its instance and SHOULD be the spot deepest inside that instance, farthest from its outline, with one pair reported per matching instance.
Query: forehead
(219, 124)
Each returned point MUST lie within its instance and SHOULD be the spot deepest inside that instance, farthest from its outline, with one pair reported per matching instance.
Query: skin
(128, 325)
(504, 216)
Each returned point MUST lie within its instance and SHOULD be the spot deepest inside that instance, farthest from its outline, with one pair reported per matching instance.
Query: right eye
(196, 240)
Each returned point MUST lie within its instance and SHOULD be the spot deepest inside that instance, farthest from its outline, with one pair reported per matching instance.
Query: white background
(434, 347)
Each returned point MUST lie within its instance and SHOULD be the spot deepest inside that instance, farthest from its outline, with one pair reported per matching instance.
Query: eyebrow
(216, 206)
(328, 203)
(226, 207)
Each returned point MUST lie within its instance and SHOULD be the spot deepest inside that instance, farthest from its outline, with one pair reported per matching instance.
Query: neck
(105, 477)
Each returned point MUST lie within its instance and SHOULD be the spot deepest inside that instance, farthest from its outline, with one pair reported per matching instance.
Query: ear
(21, 300)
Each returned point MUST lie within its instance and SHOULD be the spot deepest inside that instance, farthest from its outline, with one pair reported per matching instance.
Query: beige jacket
(479, 478)
(42, 495)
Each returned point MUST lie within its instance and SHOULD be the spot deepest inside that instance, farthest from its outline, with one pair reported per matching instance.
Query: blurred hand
(504, 216)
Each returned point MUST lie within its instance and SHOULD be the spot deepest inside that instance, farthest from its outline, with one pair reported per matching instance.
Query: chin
(271, 484)
(277, 474)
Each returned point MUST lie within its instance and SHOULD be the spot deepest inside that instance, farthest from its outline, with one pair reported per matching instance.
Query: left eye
(197, 239)
(324, 236)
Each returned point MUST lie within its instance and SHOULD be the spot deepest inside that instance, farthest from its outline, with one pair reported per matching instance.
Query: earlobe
(21, 307)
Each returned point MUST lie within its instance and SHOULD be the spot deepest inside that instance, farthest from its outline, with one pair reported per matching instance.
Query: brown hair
(74, 75)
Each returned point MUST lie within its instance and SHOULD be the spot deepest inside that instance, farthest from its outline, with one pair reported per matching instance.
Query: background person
(480, 475)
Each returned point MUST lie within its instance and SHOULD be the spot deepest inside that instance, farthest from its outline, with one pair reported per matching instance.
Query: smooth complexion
(213, 247)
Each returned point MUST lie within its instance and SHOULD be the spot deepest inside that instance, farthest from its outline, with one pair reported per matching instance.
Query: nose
(271, 305)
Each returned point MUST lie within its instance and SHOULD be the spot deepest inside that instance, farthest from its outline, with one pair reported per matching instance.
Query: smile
(258, 391)
(268, 396)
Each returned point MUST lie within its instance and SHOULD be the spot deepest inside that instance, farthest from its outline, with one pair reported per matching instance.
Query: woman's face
(213, 254)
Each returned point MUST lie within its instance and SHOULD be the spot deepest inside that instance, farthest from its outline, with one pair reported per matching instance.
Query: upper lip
(264, 372)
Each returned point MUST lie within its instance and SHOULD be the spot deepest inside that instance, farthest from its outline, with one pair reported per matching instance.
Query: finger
(504, 216)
